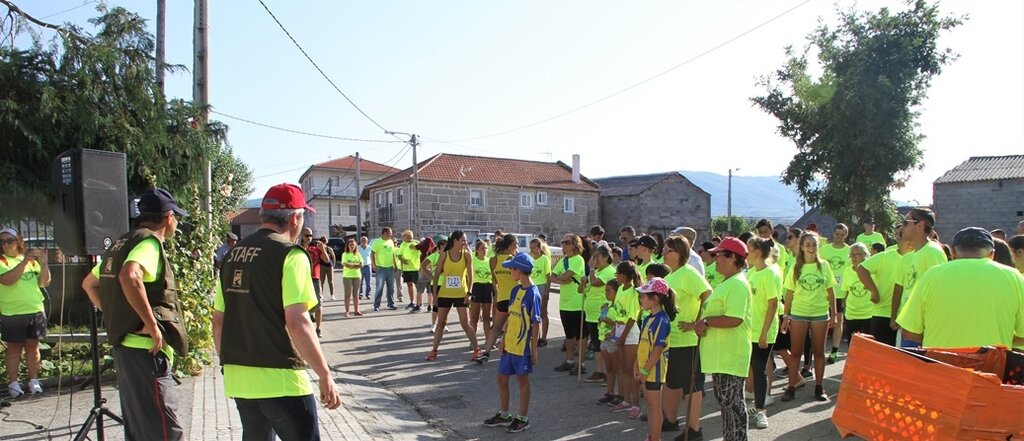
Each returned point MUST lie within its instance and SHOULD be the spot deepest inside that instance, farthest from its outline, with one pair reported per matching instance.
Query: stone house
(331, 189)
(480, 195)
(655, 203)
(983, 191)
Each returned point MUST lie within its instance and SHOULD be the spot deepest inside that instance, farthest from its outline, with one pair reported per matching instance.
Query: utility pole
(414, 142)
(359, 208)
(200, 87)
(330, 206)
(728, 212)
(161, 35)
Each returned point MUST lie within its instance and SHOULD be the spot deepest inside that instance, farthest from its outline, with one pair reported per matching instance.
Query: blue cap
(158, 200)
(973, 237)
(521, 261)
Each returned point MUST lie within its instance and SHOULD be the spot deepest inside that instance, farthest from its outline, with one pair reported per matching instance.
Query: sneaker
(319, 334)
(761, 420)
(690, 435)
(832, 358)
(375, 309)
(519, 424)
(400, 299)
(433, 329)
(819, 393)
(634, 412)
(643, 416)
(594, 378)
(622, 406)
(498, 420)
(34, 387)
(668, 426)
(605, 399)
(768, 400)
(409, 306)
(789, 394)
(782, 373)
(392, 308)
(417, 308)
(582, 370)
(432, 356)
(542, 342)
(481, 357)
(565, 366)
(14, 389)
(801, 382)
(617, 400)
(806, 373)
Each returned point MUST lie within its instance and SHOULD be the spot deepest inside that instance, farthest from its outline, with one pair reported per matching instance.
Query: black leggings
(758, 364)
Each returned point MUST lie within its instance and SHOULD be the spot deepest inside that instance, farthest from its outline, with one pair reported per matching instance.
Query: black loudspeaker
(92, 200)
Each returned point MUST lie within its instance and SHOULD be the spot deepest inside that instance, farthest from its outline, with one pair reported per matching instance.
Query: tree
(739, 225)
(855, 126)
(99, 92)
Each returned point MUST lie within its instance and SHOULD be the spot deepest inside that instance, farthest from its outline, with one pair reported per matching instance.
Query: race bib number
(453, 282)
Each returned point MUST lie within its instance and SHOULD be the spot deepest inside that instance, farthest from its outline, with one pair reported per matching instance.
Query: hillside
(752, 196)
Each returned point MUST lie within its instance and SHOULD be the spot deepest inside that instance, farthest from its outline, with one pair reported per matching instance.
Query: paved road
(454, 394)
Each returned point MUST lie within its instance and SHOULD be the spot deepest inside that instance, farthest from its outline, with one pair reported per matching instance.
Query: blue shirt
(523, 313)
(365, 254)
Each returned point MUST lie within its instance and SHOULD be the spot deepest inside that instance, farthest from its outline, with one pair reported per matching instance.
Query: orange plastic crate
(892, 394)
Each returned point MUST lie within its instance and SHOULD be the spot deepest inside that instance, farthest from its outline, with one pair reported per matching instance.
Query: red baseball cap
(732, 245)
(285, 196)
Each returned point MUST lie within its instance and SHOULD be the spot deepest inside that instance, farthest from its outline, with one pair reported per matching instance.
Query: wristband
(644, 371)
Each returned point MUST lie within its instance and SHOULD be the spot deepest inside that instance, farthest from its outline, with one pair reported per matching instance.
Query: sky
(458, 70)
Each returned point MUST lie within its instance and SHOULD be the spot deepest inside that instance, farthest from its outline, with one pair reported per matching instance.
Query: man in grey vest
(134, 287)
(262, 330)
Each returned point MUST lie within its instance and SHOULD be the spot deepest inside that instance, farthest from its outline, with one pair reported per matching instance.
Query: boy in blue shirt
(519, 348)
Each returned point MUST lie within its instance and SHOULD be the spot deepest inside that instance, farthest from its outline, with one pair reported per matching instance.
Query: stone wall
(986, 204)
(672, 202)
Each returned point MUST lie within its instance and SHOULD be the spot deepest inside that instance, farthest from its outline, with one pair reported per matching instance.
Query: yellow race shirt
(502, 278)
(351, 258)
(918, 262)
(569, 298)
(688, 285)
(765, 285)
(641, 269)
(810, 292)
(595, 297)
(259, 382)
(541, 270)
(966, 303)
(409, 256)
(885, 268)
(654, 332)
(711, 273)
(24, 297)
(481, 270)
(870, 239)
(523, 314)
(838, 259)
(858, 298)
(626, 306)
(727, 350)
(453, 277)
(384, 252)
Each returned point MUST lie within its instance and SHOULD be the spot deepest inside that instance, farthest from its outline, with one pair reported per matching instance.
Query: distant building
(827, 224)
(331, 188)
(656, 203)
(245, 221)
(983, 191)
(480, 195)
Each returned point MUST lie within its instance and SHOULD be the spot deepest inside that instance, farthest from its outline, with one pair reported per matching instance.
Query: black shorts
(447, 302)
(482, 293)
(863, 326)
(684, 370)
(590, 331)
(652, 386)
(781, 339)
(502, 308)
(410, 276)
(571, 323)
(840, 305)
(18, 328)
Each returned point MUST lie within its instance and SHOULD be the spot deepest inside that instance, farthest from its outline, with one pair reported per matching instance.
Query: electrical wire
(300, 132)
(635, 85)
(87, 3)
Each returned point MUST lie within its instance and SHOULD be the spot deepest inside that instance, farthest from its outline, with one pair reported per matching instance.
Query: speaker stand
(99, 408)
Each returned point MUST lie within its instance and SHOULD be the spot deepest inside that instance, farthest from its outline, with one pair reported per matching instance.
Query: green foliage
(855, 127)
(99, 92)
(739, 225)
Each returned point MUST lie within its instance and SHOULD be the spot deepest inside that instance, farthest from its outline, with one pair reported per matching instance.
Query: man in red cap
(261, 325)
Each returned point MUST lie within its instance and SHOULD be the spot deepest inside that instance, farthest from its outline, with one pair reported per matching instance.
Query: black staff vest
(118, 315)
(253, 333)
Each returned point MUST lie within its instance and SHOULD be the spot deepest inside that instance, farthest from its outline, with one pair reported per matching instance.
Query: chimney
(576, 168)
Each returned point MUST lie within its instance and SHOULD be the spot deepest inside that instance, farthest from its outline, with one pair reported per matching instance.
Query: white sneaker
(761, 420)
(433, 329)
(768, 400)
(14, 389)
(34, 387)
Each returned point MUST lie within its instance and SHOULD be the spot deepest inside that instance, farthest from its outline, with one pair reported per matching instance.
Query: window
(476, 198)
(526, 200)
(542, 198)
(390, 197)
(353, 210)
(401, 196)
(336, 183)
(380, 199)
(569, 205)
(337, 209)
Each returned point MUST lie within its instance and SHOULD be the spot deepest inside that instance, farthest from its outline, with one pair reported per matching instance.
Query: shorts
(857, 325)
(502, 307)
(610, 346)
(544, 289)
(652, 385)
(18, 328)
(684, 370)
(448, 302)
(423, 283)
(590, 331)
(633, 338)
(811, 319)
(411, 276)
(571, 323)
(781, 339)
(511, 364)
(483, 293)
(319, 297)
(840, 306)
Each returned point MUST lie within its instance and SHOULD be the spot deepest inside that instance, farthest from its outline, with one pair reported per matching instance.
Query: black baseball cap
(973, 237)
(158, 200)
(647, 241)
(868, 220)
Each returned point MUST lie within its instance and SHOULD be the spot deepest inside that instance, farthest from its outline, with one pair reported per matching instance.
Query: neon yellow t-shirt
(595, 298)
(481, 270)
(626, 306)
(727, 350)
(541, 270)
(884, 267)
(688, 286)
(870, 239)
(351, 258)
(838, 259)
(411, 255)
(810, 293)
(966, 303)
(24, 297)
(786, 260)
(641, 269)
(765, 285)
(259, 382)
(918, 262)
(714, 277)
(569, 298)
(858, 298)
(654, 332)
(384, 252)
(433, 258)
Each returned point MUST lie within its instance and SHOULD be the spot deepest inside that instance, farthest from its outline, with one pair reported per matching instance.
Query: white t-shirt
(696, 262)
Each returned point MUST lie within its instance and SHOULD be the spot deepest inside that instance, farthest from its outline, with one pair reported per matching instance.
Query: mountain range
(752, 196)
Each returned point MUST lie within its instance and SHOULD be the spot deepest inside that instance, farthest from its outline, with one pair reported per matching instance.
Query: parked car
(338, 245)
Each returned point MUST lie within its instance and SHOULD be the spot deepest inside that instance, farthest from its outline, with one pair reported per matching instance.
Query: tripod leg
(83, 433)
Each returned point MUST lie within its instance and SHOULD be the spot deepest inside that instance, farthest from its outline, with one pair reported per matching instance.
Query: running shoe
(819, 393)
(669, 426)
(417, 308)
(565, 366)
(409, 306)
(690, 435)
(782, 373)
(761, 420)
(14, 389)
(617, 401)
(605, 399)
(582, 370)
(433, 329)
(519, 424)
(541, 342)
(34, 387)
(621, 406)
(806, 373)
(318, 334)
(832, 358)
(789, 394)
(400, 299)
(432, 356)
(333, 298)
(481, 357)
(498, 420)
(375, 309)
(635, 413)
(392, 307)
(594, 378)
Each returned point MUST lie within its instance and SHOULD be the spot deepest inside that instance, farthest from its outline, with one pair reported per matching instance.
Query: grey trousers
(149, 401)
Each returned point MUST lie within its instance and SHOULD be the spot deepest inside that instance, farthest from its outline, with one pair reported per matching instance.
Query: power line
(635, 85)
(87, 3)
(300, 132)
(322, 73)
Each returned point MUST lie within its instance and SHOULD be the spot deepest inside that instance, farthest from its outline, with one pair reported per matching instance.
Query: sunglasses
(909, 221)
(9, 241)
(723, 253)
(566, 242)
(307, 235)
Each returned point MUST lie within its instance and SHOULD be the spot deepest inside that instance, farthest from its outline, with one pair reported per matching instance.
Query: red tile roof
(349, 163)
(248, 216)
(445, 167)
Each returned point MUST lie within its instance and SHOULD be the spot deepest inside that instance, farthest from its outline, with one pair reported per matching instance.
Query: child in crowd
(627, 306)
(610, 331)
(519, 347)
(652, 362)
